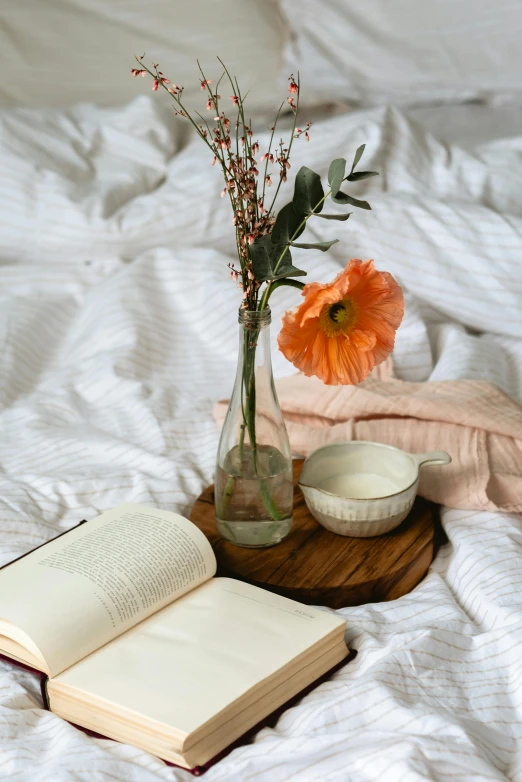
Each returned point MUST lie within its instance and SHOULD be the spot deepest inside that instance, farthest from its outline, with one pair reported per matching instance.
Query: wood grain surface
(316, 566)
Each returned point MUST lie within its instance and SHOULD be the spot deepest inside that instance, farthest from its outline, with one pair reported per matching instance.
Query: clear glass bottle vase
(254, 484)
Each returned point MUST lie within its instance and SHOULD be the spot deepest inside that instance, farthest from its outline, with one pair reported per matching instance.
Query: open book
(143, 645)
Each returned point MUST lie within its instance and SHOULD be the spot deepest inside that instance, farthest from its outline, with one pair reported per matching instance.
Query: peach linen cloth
(473, 420)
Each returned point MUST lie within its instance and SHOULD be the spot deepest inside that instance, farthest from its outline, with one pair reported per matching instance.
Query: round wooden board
(317, 567)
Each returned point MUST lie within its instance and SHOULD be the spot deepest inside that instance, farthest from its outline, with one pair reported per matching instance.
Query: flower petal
(344, 356)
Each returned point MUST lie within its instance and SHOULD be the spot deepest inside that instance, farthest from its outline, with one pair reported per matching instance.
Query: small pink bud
(264, 157)
(140, 57)
(234, 99)
(204, 83)
(292, 87)
(251, 238)
(165, 81)
(255, 147)
(254, 170)
(155, 84)
(223, 192)
(214, 161)
(287, 164)
(268, 180)
(250, 275)
(242, 139)
(307, 137)
(291, 102)
(209, 104)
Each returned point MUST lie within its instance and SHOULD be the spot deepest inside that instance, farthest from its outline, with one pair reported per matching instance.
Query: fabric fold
(474, 421)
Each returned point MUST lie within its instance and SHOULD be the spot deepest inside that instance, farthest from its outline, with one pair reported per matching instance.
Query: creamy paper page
(189, 661)
(89, 586)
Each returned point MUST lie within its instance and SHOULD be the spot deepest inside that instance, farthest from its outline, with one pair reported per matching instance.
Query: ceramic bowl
(362, 489)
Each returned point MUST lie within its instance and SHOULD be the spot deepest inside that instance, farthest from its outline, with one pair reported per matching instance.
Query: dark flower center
(338, 312)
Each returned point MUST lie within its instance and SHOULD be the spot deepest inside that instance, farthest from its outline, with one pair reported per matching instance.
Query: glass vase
(254, 483)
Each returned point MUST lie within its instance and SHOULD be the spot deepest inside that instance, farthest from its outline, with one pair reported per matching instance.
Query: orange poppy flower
(344, 328)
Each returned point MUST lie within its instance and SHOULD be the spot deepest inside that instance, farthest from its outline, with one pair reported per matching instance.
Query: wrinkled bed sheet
(118, 332)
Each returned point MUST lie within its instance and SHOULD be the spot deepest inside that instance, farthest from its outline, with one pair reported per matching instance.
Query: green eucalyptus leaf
(265, 257)
(308, 192)
(287, 225)
(358, 175)
(336, 217)
(358, 155)
(343, 198)
(323, 246)
(336, 174)
(261, 256)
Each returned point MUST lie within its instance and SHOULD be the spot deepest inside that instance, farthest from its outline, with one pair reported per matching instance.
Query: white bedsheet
(118, 332)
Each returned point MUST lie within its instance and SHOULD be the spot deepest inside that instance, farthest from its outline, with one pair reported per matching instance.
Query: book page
(197, 656)
(78, 592)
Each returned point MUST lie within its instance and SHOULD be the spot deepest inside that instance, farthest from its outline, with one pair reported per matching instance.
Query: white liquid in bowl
(360, 486)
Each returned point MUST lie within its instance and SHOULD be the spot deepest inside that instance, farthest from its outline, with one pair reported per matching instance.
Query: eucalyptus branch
(271, 284)
(289, 282)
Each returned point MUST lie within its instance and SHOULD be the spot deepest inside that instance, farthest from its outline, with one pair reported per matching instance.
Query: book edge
(266, 721)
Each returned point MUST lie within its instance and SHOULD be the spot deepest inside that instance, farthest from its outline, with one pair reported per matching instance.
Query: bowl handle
(434, 457)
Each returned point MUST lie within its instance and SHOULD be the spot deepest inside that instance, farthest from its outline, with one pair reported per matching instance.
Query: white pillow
(58, 52)
(405, 51)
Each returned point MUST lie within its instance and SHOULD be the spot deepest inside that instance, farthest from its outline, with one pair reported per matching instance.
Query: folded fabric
(474, 421)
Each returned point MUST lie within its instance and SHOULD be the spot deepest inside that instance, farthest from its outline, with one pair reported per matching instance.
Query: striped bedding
(118, 333)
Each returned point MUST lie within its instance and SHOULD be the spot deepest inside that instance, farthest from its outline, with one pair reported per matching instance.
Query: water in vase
(255, 508)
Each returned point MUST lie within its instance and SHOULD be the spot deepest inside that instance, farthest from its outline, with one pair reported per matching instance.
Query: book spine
(45, 694)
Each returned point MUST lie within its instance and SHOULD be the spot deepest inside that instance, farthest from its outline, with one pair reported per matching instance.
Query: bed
(118, 334)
